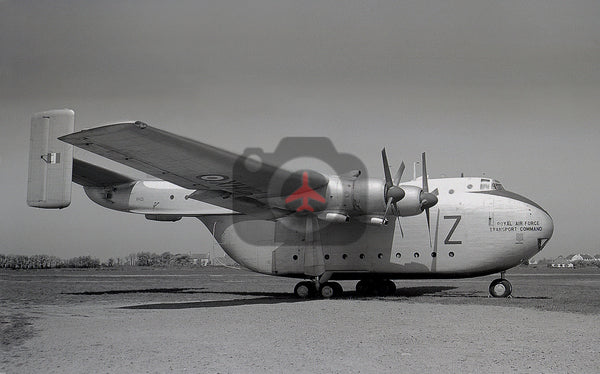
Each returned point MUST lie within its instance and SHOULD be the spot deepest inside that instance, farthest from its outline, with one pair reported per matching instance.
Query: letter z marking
(456, 221)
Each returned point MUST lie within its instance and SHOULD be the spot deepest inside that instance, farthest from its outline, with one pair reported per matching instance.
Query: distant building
(576, 258)
(581, 257)
(561, 262)
(205, 259)
(202, 259)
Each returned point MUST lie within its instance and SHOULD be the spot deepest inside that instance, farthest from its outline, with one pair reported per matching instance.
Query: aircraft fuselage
(477, 228)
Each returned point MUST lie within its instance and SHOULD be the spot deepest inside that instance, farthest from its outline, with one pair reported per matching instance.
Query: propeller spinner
(392, 193)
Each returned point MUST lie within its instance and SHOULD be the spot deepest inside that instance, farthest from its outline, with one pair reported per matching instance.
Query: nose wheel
(500, 287)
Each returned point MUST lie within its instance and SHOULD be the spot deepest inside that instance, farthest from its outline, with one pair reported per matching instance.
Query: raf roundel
(213, 177)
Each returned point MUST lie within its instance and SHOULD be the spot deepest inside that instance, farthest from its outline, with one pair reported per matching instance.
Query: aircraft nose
(547, 229)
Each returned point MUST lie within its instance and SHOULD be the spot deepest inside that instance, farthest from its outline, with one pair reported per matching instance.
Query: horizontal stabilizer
(90, 175)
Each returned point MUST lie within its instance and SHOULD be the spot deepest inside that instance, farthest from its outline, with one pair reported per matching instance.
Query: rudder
(50, 160)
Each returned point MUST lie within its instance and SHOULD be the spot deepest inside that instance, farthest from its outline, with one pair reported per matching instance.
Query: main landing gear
(327, 290)
(375, 287)
(500, 287)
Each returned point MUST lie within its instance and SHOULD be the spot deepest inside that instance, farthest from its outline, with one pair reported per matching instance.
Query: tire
(391, 288)
(327, 291)
(364, 287)
(337, 288)
(500, 288)
(304, 290)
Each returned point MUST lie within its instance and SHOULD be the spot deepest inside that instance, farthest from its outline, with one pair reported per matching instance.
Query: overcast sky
(506, 88)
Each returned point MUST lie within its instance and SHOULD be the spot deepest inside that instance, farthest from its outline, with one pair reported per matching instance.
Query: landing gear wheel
(500, 288)
(338, 290)
(305, 290)
(331, 289)
(384, 288)
(364, 287)
(327, 291)
(391, 288)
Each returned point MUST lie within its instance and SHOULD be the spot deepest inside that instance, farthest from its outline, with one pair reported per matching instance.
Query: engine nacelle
(365, 199)
(410, 205)
(367, 196)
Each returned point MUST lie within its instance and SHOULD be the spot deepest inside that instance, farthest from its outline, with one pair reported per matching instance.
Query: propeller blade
(400, 227)
(428, 225)
(386, 170)
(425, 183)
(399, 173)
(387, 209)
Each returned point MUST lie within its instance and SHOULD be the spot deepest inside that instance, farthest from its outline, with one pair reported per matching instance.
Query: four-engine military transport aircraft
(301, 224)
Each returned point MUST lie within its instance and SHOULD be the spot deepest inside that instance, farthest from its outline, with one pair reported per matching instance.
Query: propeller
(428, 199)
(392, 193)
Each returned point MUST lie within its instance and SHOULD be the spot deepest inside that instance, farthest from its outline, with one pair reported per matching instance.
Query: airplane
(472, 226)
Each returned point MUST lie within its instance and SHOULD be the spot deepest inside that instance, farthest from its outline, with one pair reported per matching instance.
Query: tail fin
(50, 160)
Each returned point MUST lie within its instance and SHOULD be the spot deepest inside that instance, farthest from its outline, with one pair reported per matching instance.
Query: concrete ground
(240, 322)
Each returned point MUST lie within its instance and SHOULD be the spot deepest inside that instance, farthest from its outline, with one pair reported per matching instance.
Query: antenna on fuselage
(415, 170)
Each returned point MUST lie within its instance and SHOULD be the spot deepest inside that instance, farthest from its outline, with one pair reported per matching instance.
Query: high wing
(219, 177)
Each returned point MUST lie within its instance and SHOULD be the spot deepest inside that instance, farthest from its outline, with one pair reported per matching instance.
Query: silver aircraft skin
(372, 230)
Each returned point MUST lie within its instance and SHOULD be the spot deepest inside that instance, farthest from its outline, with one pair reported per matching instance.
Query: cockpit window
(487, 184)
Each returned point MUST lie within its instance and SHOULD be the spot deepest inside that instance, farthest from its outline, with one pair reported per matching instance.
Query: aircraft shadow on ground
(266, 298)
(218, 303)
(145, 290)
(262, 298)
